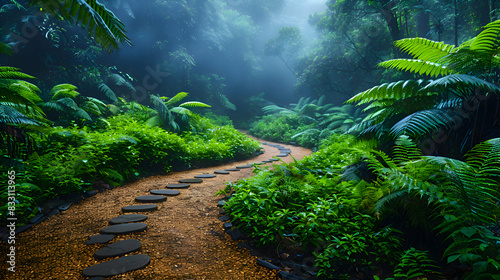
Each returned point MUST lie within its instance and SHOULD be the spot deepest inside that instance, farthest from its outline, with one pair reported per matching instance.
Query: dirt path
(184, 238)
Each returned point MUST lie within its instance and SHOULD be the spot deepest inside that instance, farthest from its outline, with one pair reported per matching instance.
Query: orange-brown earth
(184, 238)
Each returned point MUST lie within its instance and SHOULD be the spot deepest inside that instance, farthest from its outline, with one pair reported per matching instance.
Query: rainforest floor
(184, 237)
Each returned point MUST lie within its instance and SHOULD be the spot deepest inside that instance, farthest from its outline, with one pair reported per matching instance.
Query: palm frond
(422, 67)
(100, 22)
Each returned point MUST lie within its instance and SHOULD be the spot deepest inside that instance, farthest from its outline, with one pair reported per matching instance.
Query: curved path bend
(184, 238)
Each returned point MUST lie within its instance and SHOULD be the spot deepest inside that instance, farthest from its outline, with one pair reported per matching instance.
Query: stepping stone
(258, 163)
(64, 206)
(129, 218)
(117, 266)
(178, 186)
(166, 192)
(221, 172)
(206, 176)
(119, 248)
(189, 181)
(244, 166)
(227, 225)
(267, 161)
(285, 151)
(273, 159)
(267, 264)
(99, 238)
(224, 218)
(124, 228)
(282, 155)
(221, 203)
(96, 278)
(150, 198)
(140, 208)
(232, 169)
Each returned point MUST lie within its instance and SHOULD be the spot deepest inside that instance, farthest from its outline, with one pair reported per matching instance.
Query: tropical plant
(66, 101)
(173, 117)
(459, 107)
(19, 112)
(100, 22)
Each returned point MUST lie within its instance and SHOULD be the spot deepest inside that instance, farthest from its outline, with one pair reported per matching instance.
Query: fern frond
(108, 92)
(63, 90)
(274, 109)
(460, 81)
(487, 40)
(305, 132)
(194, 104)
(177, 98)
(395, 90)
(422, 67)
(7, 72)
(424, 122)
(11, 116)
(154, 121)
(424, 49)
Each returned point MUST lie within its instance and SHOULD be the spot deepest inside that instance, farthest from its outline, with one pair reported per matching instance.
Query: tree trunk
(456, 21)
(392, 23)
(482, 12)
(423, 24)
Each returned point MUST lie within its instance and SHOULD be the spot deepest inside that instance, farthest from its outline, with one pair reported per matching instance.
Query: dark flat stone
(196, 180)
(129, 218)
(96, 278)
(53, 212)
(258, 163)
(117, 266)
(224, 172)
(244, 166)
(236, 234)
(178, 186)
(221, 203)
(222, 211)
(22, 228)
(119, 248)
(140, 208)
(124, 228)
(65, 206)
(224, 218)
(282, 155)
(36, 218)
(266, 264)
(206, 176)
(286, 151)
(267, 161)
(89, 194)
(273, 159)
(232, 169)
(99, 238)
(150, 198)
(166, 192)
(227, 225)
(265, 143)
(289, 276)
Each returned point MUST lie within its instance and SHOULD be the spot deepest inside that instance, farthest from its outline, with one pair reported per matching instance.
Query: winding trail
(184, 238)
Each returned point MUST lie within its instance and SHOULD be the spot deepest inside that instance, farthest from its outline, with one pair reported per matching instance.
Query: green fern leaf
(487, 40)
(7, 72)
(177, 98)
(194, 104)
(396, 90)
(422, 67)
(424, 122)
(424, 49)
